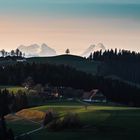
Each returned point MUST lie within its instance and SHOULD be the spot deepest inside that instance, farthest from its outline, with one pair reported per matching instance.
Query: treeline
(46, 73)
(65, 76)
(122, 63)
(10, 103)
(12, 53)
(121, 92)
(115, 55)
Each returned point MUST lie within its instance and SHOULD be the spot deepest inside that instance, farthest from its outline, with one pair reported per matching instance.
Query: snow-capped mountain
(37, 50)
(93, 48)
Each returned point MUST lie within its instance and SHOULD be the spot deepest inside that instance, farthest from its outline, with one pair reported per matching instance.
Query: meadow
(13, 89)
(101, 122)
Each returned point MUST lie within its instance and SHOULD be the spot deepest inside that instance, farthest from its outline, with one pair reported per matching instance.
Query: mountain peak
(92, 48)
(100, 45)
(37, 50)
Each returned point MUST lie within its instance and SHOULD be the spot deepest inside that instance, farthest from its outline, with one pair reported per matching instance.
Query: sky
(73, 24)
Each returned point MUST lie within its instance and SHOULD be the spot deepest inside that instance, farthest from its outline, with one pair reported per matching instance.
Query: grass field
(101, 123)
(22, 126)
(13, 89)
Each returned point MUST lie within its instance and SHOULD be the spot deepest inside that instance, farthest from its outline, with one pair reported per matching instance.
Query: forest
(122, 63)
(65, 76)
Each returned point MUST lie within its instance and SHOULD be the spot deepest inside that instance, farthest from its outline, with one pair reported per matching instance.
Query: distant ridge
(36, 50)
(93, 48)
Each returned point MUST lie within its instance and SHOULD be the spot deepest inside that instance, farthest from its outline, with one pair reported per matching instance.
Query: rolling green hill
(77, 62)
(101, 123)
(80, 63)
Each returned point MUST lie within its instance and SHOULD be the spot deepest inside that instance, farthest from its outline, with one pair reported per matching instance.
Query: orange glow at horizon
(75, 34)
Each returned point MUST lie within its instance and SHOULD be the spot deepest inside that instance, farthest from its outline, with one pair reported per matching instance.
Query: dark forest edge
(122, 63)
(65, 76)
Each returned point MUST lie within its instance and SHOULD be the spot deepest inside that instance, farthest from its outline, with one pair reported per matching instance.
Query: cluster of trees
(120, 92)
(65, 76)
(55, 123)
(10, 103)
(5, 133)
(12, 53)
(122, 63)
(115, 55)
(4, 110)
(45, 73)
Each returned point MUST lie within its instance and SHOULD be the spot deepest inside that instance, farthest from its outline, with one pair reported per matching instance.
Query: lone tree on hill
(67, 51)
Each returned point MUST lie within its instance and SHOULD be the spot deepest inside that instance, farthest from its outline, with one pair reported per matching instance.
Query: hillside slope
(77, 62)
(74, 61)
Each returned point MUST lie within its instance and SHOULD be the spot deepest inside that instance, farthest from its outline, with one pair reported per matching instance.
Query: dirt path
(30, 132)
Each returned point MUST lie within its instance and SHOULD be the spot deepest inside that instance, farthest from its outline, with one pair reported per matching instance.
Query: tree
(17, 52)
(20, 54)
(90, 57)
(4, 110)
(4, 103)
(21, 100)
(49, 117)
(12, 53)
(67, 51)
(38, 88)
(29, 82)
(3, 52)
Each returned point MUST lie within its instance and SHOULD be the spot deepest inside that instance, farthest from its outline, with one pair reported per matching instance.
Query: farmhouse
(94, 96)
(50, 93)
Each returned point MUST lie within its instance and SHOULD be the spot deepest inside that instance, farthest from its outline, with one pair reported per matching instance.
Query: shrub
(55, 125)
(70, 121)
(49, 117)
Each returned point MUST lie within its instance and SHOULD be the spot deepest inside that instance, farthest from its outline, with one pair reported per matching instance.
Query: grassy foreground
(101, 123)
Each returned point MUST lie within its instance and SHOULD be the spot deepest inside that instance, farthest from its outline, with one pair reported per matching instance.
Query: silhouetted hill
(77, 62)
(120, 70)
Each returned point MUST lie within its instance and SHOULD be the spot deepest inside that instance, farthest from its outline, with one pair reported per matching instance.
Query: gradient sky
(73, 24)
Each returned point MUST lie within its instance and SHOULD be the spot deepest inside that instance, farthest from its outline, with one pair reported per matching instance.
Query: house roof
(93, 94)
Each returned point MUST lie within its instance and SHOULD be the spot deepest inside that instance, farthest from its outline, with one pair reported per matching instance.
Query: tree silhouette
(3, 52)
(67, 51)
(17, 52)
(12, 53)
(4, 110)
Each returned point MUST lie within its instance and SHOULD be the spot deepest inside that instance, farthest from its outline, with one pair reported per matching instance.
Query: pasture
(100, 123)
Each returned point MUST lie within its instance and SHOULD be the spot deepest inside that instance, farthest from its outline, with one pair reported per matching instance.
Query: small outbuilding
(94, 96)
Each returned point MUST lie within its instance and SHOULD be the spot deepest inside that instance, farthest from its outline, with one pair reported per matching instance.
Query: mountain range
(93, 48)
(36, 50)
